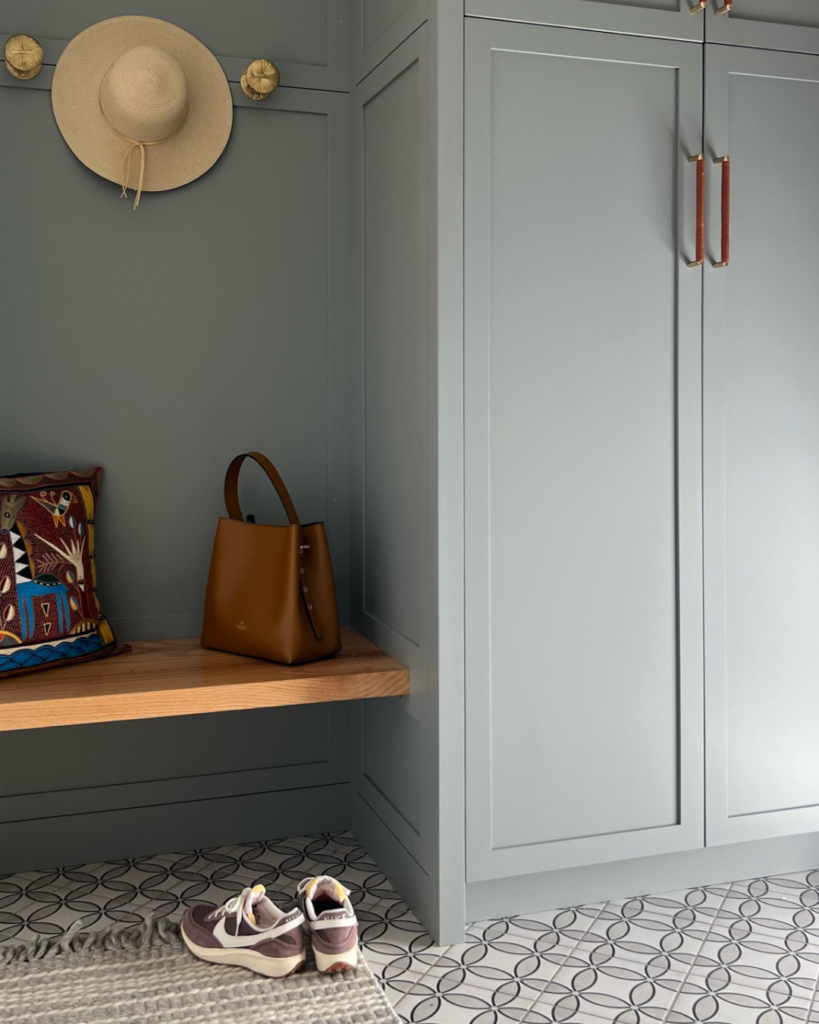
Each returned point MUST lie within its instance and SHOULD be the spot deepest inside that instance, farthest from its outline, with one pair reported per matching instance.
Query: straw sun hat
(142, 103)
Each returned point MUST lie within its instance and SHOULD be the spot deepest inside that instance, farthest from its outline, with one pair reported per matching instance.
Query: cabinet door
(771, 24)
(582, 424)
(761, 379)
(672, 19)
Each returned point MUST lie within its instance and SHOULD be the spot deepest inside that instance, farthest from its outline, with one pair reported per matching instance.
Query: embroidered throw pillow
(49, 612)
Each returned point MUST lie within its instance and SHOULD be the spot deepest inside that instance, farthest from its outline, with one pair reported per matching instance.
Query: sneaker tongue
(257, 893)
(326, 891)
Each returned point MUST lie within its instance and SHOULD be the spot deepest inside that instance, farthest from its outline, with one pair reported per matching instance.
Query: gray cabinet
(664, 18)
(582, 448)
(761, 448)
(771, 24)
(550, 353)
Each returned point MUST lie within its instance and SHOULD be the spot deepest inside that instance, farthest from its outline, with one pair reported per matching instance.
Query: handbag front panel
(254, 603)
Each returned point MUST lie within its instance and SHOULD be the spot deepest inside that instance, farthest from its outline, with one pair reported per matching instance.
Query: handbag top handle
(232, 481)
(235, 512)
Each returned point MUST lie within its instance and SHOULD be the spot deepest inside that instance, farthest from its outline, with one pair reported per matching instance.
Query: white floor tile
(736, 1004)
(620, 987)
(490, 969)
(406, 985)
(742, 952)
(469, 1005)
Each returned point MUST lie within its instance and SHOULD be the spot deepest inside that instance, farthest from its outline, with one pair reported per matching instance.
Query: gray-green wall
(158, 344)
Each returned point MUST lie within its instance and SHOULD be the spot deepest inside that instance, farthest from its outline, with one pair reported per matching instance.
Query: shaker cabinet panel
(582, 435)
(771, 24)
(671, 19)
(761, 380)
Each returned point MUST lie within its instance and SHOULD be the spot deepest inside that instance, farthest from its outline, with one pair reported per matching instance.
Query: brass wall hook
(260, 79)
(23, 56)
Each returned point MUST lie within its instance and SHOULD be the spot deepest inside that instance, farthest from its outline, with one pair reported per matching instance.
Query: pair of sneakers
(251, 931)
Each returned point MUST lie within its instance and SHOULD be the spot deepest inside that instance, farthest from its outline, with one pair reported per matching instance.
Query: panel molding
(630, 18)
(142, 831)
(486, 859)
(391, 815)
(332, 76)
(367, 785)
(427, 866)
(413, 52)
(402, 850)
(325, 761)
(410, 651)
(213, 785)
(366, 59)
(398, 864)
(739, 29)
(722, 63)
(413, 840)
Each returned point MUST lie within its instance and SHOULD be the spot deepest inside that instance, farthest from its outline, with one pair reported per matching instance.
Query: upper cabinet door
(583, 448)
(761, 379)
(770, 24)
(669, 19)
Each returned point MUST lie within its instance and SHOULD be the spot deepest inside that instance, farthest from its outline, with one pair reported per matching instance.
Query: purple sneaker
(330, 919)
(248, 931)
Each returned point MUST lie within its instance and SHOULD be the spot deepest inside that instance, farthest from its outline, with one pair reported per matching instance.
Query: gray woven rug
(146, 975)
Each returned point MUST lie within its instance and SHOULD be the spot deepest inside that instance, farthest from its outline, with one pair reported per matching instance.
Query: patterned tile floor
(739, 953)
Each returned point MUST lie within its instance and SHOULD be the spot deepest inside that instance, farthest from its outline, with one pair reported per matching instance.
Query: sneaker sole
(270, 966)
(334, 963)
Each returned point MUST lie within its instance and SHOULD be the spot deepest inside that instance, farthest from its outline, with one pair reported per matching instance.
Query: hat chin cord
(126, 163)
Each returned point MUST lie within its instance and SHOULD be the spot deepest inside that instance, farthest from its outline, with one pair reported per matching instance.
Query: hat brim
(75, 92)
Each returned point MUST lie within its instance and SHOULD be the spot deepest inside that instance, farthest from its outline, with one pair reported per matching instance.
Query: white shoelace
(241, 905)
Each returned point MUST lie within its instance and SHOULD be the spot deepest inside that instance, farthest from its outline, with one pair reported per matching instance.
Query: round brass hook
(23, 56)
(260, 79)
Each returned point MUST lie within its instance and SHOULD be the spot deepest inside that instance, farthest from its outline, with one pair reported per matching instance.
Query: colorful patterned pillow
(49, 612)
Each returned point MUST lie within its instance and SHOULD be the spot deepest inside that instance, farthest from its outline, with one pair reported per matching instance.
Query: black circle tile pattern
(740, 953)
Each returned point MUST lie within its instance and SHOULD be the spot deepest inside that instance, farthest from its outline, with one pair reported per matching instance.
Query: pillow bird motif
(49, 612)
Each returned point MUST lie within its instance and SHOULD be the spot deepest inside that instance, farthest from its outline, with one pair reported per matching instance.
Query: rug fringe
(152, 933)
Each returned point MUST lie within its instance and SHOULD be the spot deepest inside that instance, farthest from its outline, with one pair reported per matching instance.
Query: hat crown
(144, 94)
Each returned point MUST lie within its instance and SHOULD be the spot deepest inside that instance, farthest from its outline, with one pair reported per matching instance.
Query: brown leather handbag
(270, 589)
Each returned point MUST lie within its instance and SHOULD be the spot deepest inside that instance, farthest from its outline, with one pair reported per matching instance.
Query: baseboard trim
(166, 828)
(594, 883)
